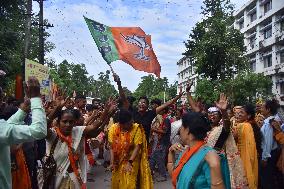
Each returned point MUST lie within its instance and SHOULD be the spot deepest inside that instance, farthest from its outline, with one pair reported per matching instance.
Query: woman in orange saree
(20, 172)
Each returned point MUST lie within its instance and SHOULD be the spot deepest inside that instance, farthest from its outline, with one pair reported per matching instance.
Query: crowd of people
(53, 144)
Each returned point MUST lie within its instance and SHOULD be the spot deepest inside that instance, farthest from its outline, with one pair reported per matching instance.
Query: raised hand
(188, 86)
(26, 105)
(180, 91)
(275, 125)
(61, 102)
(32, 88)
(176, 148)
(116, 78)
(222, 104)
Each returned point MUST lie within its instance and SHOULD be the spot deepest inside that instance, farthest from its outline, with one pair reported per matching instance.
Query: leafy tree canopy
(216, 48)
(155, 88)
(246, 87)
(12, 34)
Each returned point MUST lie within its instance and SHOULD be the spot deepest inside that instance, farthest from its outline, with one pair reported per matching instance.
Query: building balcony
(265, 44)
(279, 49)
(241, 19)
(262, 2)
(279, 19)
(251, 11)
(265, 27)
(279, 36)
(251, 35)
(251, 48)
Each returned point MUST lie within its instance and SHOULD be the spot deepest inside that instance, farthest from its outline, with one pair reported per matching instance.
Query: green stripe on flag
(104, 40)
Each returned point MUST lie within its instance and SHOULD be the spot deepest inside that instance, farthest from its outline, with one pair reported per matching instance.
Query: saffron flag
(129, 44)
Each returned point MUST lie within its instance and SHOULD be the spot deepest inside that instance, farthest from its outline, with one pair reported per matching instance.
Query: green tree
(145, 87)
(71, 77)
(172, 91)
(74, 77)
(242, 89)
(12, 33)
(79, 78)
(247, 86)
(102, 87)
(155, 88)
(206, 90)
(216, 48)
(11, 21)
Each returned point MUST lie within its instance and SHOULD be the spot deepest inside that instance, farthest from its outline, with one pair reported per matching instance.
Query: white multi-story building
(262, 23)
(186, 71)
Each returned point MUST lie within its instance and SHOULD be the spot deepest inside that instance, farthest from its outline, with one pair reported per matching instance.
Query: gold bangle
(218, 183)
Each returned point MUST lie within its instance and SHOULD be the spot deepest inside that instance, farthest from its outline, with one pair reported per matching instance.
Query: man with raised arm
(14, 131)
(142, 115)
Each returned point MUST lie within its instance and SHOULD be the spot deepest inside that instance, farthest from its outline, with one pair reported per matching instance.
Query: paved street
(102, 180)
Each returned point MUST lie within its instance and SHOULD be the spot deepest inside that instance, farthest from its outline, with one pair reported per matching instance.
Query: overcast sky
(168, 22)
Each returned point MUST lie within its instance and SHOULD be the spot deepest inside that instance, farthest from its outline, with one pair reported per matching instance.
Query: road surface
(99, 179)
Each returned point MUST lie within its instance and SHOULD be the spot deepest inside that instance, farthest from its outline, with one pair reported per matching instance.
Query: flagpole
(111, 69)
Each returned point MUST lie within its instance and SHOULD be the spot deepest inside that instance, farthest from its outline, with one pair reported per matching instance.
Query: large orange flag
(129, 44)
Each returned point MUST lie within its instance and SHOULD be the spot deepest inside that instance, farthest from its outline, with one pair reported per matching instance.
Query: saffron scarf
(184, 159)
(20, 176)
(73, 158)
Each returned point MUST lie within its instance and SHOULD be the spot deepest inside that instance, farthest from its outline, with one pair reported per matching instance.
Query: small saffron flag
(129, 44)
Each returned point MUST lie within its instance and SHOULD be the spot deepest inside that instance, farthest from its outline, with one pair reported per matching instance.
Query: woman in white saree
(66, 143)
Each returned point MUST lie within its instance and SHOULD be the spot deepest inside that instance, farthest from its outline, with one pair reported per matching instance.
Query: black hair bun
(197, 123)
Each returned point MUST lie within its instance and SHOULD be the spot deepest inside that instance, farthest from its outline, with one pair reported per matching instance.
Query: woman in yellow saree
(248, 138)
(129, 161)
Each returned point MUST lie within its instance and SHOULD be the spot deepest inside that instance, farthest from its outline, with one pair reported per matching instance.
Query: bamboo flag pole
(111, 69)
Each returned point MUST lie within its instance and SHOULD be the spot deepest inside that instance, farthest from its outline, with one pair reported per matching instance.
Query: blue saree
(196, 172)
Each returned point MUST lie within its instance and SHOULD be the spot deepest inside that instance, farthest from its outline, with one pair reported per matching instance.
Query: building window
(282, 26)
(253, 66)
(267, 33)
(282, 88)
(268, 61)
(189, 71)
(282, 57)
(241, 25)
(267, 6)
(252, 42)
(253, 17)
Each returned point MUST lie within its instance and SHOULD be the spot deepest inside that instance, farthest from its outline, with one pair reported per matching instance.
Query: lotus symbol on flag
(141, 43)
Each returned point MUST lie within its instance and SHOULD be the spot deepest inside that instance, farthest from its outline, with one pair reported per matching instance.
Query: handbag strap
(53, 145)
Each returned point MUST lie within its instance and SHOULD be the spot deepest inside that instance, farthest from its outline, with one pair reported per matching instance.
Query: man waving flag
(129, 44)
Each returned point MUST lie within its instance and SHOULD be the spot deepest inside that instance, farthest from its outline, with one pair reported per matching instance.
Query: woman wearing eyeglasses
(221, 139)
